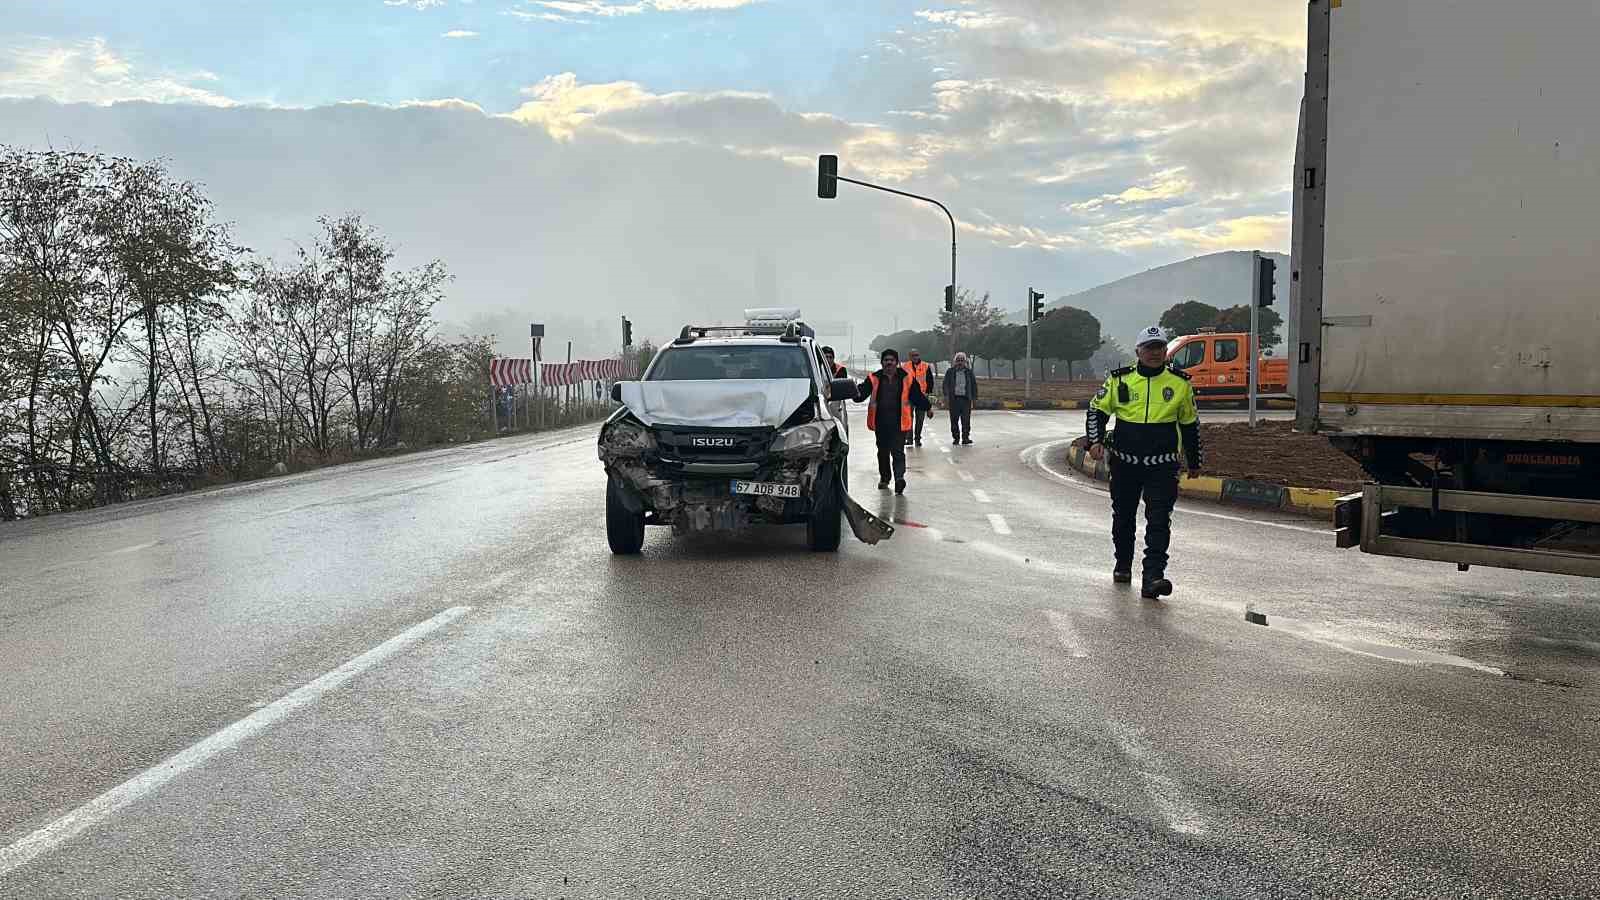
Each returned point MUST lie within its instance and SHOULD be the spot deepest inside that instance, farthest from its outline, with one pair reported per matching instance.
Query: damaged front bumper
(694, 504)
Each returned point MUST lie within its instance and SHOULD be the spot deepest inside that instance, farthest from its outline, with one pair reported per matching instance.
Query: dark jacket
(890, 405)
(950, 383)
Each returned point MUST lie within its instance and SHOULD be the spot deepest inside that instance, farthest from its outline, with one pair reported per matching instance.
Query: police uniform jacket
(1157, 422)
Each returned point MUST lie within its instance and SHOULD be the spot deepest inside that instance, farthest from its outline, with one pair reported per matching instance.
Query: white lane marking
(998, 523)
(1034, 456)
(109, 803)
(981, 496)
(944, 449)
(135, 548)
(1067, 635)
(934, 475)
(1162, 790)
(1017, 414)
(965, 475)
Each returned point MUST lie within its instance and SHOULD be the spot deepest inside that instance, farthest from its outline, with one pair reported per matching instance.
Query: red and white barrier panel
(509, 372)
(562, 374)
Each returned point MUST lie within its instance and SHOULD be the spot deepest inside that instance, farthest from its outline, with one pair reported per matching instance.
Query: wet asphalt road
(969, 710)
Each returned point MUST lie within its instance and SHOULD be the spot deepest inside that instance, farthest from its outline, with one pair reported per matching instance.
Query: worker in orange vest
(835, 370)
(890, 394)
(922, 373)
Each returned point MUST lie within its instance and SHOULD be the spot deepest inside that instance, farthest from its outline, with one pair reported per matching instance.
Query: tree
(1067, 333)
(643, 354)
(1237, 318)
(969, 317)
(175, 262)
(899, 340)
(1188, 317)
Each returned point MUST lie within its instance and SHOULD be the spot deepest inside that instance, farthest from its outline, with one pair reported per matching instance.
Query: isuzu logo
(711, 442)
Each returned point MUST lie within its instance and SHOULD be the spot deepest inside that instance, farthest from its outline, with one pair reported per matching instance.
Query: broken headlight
(811, 437)
(625, 438)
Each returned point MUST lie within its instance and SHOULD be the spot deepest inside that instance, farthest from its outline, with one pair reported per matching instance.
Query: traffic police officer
(1158, 428)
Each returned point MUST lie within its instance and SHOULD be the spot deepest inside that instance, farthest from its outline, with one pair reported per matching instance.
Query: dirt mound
(1275, 453)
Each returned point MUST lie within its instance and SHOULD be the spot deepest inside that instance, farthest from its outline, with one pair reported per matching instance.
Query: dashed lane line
(1067, 635)
(981, 496)
(998, 523)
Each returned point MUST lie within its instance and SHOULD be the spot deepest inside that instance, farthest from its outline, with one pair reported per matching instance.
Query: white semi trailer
(1446, 275)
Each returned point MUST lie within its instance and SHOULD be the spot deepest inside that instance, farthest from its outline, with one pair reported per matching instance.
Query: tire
(826, 525)
(624, 528)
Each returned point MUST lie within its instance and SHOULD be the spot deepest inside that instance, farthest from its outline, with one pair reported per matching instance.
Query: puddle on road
(1363, 647)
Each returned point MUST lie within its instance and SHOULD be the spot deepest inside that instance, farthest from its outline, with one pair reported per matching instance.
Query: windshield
(729, 361)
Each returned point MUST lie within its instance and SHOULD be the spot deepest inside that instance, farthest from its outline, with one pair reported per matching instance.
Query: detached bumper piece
(1418, 523)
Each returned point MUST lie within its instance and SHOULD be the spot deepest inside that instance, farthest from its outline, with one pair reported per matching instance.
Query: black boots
(1155, 588)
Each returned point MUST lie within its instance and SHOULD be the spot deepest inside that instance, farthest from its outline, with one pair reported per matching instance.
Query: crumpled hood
(726, 403)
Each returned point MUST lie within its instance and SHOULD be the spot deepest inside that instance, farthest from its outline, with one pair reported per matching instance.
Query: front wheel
(624, 527)
(825, 526)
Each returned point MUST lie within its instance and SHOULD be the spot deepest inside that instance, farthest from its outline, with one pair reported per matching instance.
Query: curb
(1036, 404)
(1235, 491)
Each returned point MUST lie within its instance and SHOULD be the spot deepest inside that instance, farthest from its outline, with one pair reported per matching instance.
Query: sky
(576, 160)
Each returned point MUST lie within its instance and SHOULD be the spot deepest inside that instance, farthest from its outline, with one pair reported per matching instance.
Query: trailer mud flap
(868, 528)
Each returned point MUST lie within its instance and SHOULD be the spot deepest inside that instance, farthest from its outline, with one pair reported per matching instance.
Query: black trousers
(960, 418)
(1158, 486)
(891, 453)
(918, 416)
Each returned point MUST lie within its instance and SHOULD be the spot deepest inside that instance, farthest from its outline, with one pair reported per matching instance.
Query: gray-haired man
(960, 392)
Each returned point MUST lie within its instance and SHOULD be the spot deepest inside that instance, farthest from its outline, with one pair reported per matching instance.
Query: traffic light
(1265, 273)
(950, 298)
(827, 176)
(1035, 305)
(627, 332)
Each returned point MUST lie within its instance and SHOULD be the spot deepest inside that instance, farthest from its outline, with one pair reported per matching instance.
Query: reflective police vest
(1149, 413)
(905, 404)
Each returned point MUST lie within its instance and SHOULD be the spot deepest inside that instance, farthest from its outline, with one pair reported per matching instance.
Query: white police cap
(1151, 335)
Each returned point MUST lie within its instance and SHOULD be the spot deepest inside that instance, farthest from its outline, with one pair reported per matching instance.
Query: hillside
(1129, 304)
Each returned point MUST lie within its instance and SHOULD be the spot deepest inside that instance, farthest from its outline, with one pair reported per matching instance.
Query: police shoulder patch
(1116, 373)
(1179, 372)
(1101, 394)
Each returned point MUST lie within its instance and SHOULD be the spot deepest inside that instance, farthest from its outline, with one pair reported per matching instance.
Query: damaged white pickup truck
(732, 426)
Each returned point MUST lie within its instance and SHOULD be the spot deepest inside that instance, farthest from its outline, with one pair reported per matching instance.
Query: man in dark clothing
(890, 394)
(1158, 428)
(960, 392)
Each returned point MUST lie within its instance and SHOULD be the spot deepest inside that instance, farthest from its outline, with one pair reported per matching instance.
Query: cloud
(744, 122)
(574, 231)
(89, 71)
(418, 5)
(570, 10)
(459, 34)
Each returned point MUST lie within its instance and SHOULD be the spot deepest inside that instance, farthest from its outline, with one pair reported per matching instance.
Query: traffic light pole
(1027, 384)
(890, 190)
(1253, 362)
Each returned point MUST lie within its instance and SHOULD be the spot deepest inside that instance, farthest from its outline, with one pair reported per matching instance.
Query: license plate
(767, 489)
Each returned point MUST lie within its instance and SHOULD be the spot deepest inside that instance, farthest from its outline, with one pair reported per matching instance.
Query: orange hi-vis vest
(905, 404)
(919, 371)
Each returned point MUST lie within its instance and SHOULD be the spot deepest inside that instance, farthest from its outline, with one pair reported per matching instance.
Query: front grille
(678, 445)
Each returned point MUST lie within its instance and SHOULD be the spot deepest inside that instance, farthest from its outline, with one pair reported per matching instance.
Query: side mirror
(616, 392)
(841, 389)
